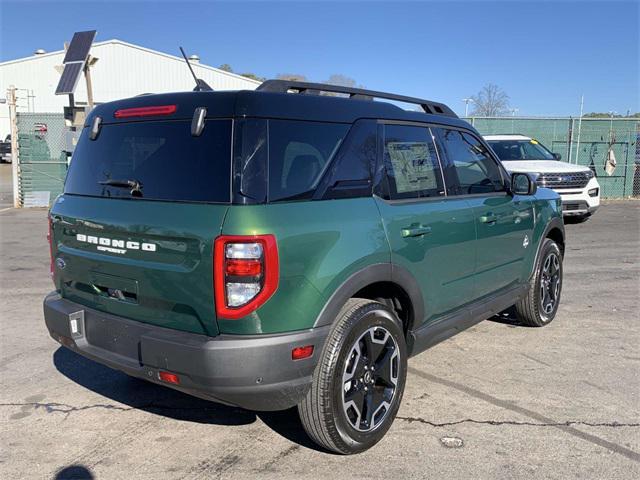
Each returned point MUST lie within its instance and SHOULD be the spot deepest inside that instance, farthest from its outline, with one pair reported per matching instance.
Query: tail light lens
(245, 273)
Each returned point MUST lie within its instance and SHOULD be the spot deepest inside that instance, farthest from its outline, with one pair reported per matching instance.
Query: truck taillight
(245, 273)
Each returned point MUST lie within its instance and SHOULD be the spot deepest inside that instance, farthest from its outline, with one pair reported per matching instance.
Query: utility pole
(513, 114)
(13, 122)
(579, 127)
(91, 61)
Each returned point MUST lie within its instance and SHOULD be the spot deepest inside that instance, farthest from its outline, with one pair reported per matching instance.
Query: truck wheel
(539, 306)
(359, 381)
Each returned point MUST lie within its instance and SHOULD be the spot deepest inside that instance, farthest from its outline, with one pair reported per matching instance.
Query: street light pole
(467, 101)
(513, 114)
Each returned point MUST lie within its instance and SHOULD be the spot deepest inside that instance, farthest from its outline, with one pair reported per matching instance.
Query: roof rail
(284, 86)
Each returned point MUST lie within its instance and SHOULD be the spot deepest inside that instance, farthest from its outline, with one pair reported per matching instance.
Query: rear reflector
(169, 377)
(299, 353)
(243, 267)
(145, 111)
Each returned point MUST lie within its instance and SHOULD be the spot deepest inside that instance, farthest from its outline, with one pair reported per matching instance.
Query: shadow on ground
(74, 472)
(508, 317)
(159, 400)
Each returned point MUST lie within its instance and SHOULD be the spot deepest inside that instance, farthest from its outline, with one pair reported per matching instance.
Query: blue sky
(543, 54)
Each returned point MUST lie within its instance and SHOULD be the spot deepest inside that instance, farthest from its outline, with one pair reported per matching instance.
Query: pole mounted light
(467, 101)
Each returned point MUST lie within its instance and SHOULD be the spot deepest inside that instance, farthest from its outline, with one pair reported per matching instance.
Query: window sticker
(412, 166)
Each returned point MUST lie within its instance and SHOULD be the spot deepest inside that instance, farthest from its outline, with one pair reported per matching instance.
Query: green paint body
(320, 245)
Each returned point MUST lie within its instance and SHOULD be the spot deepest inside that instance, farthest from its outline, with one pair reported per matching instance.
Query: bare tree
(340, 80)
(491, 101)
(294, 77)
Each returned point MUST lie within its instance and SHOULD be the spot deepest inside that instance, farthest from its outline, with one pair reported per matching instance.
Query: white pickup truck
(576, 184)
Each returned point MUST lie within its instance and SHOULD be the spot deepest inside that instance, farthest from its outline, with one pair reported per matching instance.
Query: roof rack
(285, 86)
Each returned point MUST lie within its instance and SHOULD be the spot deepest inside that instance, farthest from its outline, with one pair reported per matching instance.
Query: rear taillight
(50, 240)
(245, 272)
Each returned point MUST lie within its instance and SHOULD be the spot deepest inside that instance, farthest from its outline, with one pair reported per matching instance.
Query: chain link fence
(42, 157)
(593, 142)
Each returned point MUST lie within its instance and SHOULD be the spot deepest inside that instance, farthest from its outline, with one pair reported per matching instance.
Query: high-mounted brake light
(145, 111)
(245, 273)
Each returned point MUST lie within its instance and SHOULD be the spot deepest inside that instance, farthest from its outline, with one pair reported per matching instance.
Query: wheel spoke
(357, 396)
(384, 368)
(373, 400)
(372, 346)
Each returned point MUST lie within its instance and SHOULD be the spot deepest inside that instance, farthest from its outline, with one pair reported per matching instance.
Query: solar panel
(79, 47)
(69, 78)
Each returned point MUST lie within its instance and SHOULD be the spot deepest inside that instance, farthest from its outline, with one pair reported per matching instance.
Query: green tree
(253, 76)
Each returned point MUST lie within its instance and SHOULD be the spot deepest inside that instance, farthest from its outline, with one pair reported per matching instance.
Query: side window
(475, 170)
(350, 174)
(411, 162)
(299, 154)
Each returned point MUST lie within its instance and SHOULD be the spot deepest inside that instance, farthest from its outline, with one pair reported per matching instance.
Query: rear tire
(359, 381)
(538, 308)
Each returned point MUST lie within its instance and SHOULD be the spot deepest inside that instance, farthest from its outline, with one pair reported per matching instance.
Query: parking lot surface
(498, 401)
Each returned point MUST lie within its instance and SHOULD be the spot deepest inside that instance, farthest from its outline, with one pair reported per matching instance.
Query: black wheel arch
(396, 281)
(555, 231)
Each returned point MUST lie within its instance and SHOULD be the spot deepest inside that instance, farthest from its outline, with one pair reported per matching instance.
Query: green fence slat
(596, 137)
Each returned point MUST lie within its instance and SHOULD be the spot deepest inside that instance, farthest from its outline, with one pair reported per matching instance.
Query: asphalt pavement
(498, 401)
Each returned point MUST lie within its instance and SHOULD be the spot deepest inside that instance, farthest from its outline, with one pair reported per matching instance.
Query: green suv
(291, 246)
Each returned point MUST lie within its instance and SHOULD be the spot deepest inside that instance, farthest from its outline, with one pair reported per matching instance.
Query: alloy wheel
(550, 283)
(370, 379)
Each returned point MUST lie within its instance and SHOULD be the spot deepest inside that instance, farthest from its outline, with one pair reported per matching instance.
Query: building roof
(138, 47)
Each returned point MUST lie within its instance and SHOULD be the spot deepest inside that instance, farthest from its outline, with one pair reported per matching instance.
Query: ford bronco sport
(278, 248)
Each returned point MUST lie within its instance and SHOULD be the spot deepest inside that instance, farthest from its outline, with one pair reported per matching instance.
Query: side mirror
(557, 156)
(523, 184)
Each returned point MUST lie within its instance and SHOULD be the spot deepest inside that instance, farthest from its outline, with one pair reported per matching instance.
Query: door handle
(489, 218)
(415, 231)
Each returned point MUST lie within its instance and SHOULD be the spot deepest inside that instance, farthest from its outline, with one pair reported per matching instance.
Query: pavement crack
(567, 423)
(66, 409)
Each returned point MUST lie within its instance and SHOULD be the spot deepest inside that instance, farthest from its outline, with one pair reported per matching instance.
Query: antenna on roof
(201, 85)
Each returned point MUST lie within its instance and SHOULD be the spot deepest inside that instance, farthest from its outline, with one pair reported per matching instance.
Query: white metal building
(123, 70)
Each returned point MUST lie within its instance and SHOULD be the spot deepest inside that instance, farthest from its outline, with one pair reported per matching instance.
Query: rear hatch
(143, 202)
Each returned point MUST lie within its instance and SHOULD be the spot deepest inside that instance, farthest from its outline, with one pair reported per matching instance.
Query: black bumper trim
(255, 372)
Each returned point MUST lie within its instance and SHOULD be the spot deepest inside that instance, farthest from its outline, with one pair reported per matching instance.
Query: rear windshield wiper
(134, 185)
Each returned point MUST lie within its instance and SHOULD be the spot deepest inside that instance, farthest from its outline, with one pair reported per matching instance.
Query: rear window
(162, 158)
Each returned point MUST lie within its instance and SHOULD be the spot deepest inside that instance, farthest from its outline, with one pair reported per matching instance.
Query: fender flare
(555, 222)
(379, 272)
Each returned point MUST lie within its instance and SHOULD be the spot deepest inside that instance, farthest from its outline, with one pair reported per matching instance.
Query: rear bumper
(255, 372)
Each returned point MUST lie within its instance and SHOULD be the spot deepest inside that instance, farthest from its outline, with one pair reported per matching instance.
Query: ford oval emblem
(60, 263)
